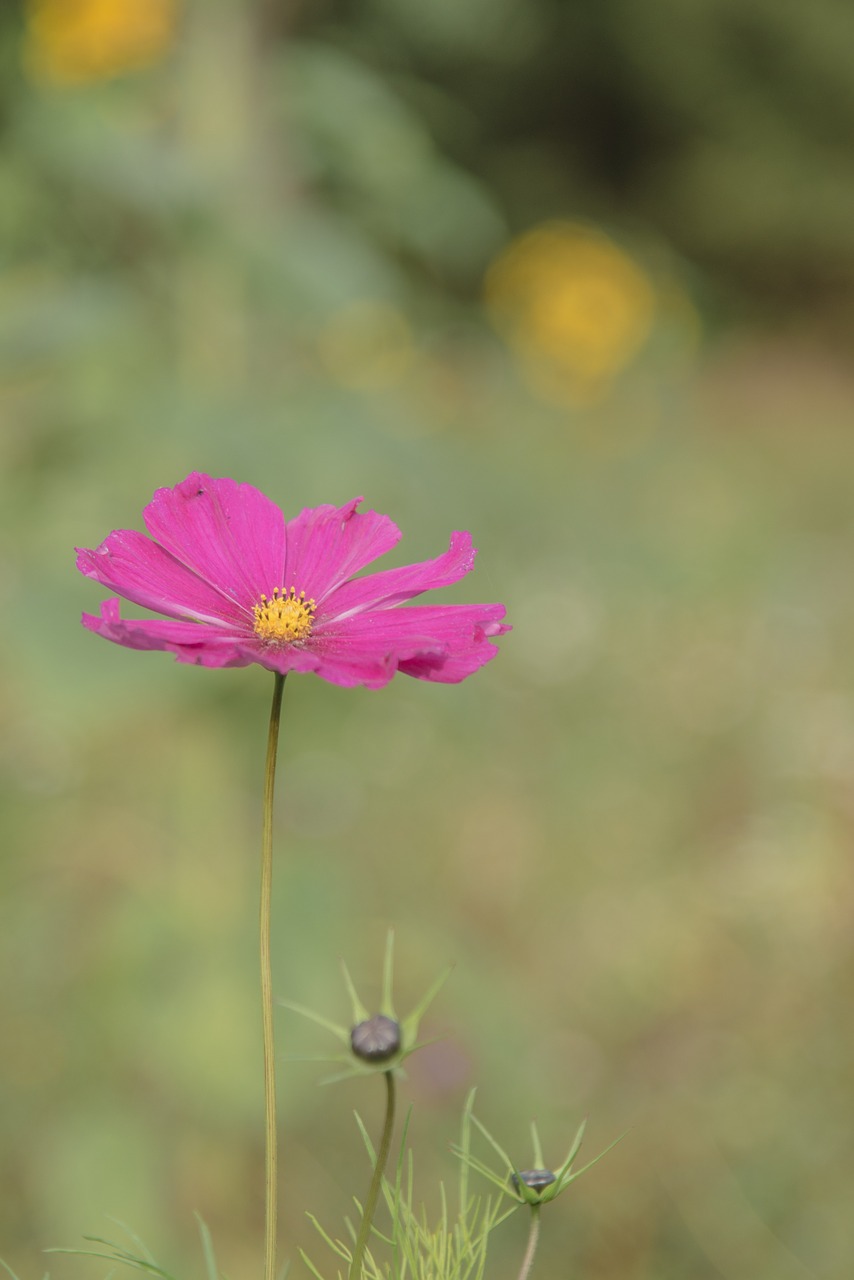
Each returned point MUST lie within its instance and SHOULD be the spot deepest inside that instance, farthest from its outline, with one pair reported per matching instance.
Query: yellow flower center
(283, 617)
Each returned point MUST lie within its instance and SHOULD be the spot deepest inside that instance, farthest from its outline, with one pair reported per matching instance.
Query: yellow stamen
(283, 617)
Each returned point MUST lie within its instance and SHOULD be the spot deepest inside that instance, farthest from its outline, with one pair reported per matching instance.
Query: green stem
(270, 1135)
(533, 1241)
(376, 1180)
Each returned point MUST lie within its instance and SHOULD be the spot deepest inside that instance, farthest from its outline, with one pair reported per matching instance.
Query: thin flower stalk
(533, 1241)
(380, 1162)
(270, 1128)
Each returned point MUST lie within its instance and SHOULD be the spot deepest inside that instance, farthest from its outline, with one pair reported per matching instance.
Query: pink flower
(240, 584)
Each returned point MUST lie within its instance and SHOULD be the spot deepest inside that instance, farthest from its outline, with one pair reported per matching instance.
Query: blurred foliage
(723, 125)
(265, 255)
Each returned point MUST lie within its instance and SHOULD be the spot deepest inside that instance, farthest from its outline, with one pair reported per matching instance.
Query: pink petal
(230, 534)
(439, 642)
(348, 674)
(138, 569)
(392, 586)
(327, 545)
(289, 658)
(190, 641)
(453, 669)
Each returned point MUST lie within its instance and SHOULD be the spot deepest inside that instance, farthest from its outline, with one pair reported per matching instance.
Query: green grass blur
(263, 255)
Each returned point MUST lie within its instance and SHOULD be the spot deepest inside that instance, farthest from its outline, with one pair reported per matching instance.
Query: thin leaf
(464, 1150)
(572, 1176)
(489, 1138)
(360, 1013)
(352, 1072)
(137, 1263)
(411, 1021)
(574, 1149)
(207, 1249)
(312, 1268)
(366, 1138)
(539, 1162)
(119, 1254)
(143, 1248)
(387, 1005)
(485, 1171)
(340, 1032)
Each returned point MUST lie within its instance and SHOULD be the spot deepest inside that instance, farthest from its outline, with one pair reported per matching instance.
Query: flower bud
(534, 1179)
(376, 1040)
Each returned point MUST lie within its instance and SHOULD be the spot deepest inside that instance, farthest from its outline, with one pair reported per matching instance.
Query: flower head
(240, 584)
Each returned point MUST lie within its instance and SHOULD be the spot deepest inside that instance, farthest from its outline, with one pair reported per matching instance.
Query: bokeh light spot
(76, 41)
(573, 307)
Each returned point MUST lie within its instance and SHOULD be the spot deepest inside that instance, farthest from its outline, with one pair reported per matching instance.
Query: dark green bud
(534, 1179)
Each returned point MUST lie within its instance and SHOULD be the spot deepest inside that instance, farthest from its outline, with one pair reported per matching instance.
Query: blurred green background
(577, 276)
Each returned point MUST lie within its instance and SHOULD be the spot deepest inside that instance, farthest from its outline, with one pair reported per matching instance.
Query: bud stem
(270, 1132)
(533, 1241)
(376, 1180)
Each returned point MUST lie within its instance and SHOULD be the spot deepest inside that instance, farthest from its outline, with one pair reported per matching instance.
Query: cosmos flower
(240, 584)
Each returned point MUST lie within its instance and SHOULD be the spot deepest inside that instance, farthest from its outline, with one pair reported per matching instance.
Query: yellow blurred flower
(75, 41)
(573, 307)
